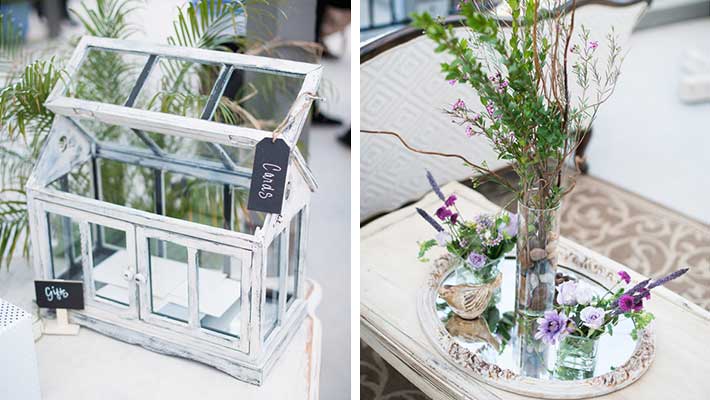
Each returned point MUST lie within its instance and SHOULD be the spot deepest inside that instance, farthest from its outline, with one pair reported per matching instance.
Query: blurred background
(645, 198)
(49, 29)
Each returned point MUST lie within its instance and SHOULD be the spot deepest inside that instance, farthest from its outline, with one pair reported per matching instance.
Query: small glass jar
(467, 275)
(576, 357)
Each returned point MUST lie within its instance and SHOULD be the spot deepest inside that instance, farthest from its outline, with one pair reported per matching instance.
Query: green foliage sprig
(521, 76)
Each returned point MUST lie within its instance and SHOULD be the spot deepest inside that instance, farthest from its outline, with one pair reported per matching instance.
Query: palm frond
(108, 18)
(22, 102)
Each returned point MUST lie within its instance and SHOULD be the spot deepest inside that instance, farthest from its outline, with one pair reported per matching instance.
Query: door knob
(128, 274)
(139, 278)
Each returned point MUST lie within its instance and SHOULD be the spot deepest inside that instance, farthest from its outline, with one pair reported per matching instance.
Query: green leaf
(424, 247)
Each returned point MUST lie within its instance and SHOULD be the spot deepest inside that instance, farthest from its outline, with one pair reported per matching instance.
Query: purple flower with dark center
(430, 220)
(469, 131)
(593, 45)
(552, 327)
(450, 200)
(454, 218)
(626, 303)
(434, 185)
(458, 105)
(476, 261)
(453, 82)
(490, 108)
(593, 317)
(624, 276)
(443, 213)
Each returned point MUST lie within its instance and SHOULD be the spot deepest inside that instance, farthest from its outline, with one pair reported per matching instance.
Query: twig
(439, 154)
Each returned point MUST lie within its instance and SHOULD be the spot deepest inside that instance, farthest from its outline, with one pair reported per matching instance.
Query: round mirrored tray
(499, 348)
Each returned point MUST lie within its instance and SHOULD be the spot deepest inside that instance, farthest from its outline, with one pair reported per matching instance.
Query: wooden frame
(251, 354)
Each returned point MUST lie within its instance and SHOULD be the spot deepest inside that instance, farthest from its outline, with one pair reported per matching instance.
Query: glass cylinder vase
(537, 241)
(576, 357)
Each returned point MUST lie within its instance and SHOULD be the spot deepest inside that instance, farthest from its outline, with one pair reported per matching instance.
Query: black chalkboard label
(268, 178)
(60, 294)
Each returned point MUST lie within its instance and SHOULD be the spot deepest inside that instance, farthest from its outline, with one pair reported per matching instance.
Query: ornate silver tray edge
(473, 365)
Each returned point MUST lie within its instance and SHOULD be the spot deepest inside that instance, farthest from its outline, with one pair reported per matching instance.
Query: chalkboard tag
(60, 294)
(268, 179)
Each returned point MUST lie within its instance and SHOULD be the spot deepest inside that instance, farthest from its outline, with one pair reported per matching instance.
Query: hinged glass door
(194, 286)
(98, 251)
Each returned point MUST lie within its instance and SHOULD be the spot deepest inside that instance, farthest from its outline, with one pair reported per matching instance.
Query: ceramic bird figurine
(472, 330)
(469, 301)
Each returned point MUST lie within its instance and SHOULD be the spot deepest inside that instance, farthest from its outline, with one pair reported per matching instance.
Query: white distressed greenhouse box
(142, 192)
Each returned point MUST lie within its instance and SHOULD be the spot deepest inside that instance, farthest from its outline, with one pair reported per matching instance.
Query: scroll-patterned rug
(643, 235)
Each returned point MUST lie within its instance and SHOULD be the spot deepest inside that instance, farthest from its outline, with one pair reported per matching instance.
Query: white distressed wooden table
(92, 366)
(391, 278)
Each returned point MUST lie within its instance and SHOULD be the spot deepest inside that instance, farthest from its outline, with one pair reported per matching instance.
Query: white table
(391, 278)
(91, 366)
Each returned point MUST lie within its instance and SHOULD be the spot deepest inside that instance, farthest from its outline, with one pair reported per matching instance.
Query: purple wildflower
(434, 185)
(490, 108)
(454, 218)
(443, 213)
(476, 261)
(430, 220)
(453, 82)
(458, 105)
(483, 223)
(469, 131)
(552, 327)
(626, 303)
(624, 276)
(450, 200)
(593, 45)
(488, 240)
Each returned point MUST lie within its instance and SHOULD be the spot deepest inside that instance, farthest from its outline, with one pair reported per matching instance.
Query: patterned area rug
(638, 233)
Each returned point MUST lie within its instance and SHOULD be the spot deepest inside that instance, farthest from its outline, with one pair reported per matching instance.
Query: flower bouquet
(478, 245)
(581, 316)
(537, 84)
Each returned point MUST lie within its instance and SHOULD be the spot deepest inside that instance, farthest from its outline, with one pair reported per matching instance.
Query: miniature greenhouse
(141, 193)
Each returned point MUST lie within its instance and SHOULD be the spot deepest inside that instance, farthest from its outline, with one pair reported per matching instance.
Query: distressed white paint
(252, 354)
(391, 282)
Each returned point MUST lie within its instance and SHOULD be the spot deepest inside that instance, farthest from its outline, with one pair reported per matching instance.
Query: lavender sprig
(435, 186)
(667, 278)
(430, 220)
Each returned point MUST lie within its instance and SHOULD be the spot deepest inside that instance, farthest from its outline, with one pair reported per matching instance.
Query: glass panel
(219, 285)
(65, 247)
(78, 181)
(245, 220)
(106, 76)
(191, 149)
(111, 260)
(127, 185)
(168, 279)
(114, 134)
(294, 252)
(178, 87)
(271, 285)
(258, 100)
(194, 199)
